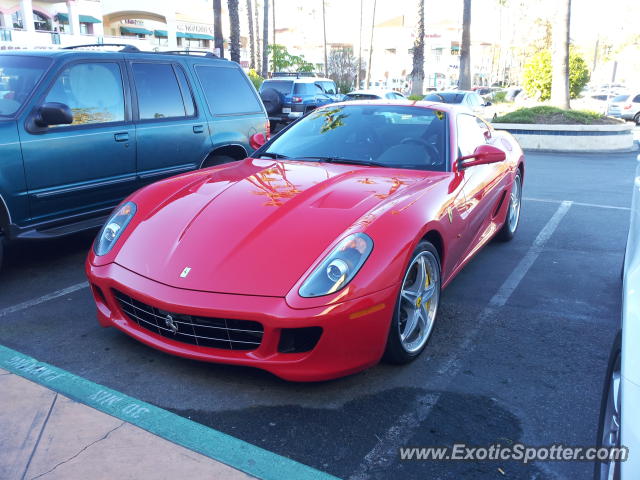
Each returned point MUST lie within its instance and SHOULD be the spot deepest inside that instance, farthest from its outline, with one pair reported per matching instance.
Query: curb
(219, 446)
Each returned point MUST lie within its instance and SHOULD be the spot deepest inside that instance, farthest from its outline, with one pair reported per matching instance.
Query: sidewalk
(44, 434)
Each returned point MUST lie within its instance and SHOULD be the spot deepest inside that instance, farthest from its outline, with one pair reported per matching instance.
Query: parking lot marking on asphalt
(386, 450)
(224, 448)
(579, 204)
(42, 299)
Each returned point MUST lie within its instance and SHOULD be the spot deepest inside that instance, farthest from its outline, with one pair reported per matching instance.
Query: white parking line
(579, 204)
(386, 450)
(44, 298)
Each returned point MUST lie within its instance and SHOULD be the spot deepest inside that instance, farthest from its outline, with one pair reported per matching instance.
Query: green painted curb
(219, 446)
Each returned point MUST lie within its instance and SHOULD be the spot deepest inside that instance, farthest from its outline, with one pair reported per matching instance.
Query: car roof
(86, 53)
(443, 107)
(372, 91)
(300, 79)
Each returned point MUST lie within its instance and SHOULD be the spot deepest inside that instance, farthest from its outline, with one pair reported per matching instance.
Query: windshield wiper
(272, 155)
(351, 161)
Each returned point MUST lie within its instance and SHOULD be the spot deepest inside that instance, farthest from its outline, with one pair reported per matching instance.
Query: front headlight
(339, 267)
(114, 227)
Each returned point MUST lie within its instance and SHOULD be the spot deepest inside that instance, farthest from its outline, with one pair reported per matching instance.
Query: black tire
(637, 118)
(272, 100)
(395, 352)
(273, 126)
(217, 160)
(613, 366)
(507, 232)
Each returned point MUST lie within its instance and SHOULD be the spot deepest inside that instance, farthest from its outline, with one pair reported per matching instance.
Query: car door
(171, 134)
(88, 166)
(484, 187)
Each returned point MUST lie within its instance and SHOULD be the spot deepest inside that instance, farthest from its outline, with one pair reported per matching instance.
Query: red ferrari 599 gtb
(321, 253)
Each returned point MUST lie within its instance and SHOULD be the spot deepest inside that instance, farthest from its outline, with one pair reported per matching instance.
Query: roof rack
(189, 52)
(294, 74)
(126, 48)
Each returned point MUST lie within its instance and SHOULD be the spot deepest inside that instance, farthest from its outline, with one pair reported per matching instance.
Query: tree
(560, 77)
(537, 77)
(282, 60)
(464, 81)
(265, 39)
(373, 26)
(324, 39)
(256, 13)
(234, 35)
(217, 27)
(342, 67)
(252, 40)
(417, 74)
(359, 49)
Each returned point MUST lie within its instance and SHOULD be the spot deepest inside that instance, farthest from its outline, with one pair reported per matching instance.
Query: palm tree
(217, 27)
(417, 74)
(324, 33)
(252, 40)
(373, 25)
(234, 34)
(560, 57)
(265, 39)
(359, 50)
(464, 81)
(256, 14)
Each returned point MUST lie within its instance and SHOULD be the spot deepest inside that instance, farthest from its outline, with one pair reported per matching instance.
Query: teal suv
(81, 129)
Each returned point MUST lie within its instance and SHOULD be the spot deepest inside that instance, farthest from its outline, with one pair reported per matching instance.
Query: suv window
(470, 133)
(159, 94)
(329, 87)
(227, 90)
(93, 91)
(636, 99)
(18, 76)
(307, 89)
(282, 86)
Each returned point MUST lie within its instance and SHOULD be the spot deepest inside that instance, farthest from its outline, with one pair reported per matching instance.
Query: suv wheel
(272, 100)
(637, 118)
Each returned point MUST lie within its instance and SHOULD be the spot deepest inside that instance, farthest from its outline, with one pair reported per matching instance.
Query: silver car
(374, 95)
(619, 423)
(469, 99)
(630, 110)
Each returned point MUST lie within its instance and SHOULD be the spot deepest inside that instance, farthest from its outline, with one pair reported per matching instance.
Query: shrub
(415, 97)
(537, 76)
(255, 78)
(550, 115)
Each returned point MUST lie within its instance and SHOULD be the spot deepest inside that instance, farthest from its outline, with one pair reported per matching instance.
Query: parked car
(469, 99)
(619, 423)
(626, 107)
(374, 95)
(80, 130)
(319, 254)
(287, 98)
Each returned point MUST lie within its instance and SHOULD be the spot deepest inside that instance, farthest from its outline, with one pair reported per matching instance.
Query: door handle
(198, 128)
(121, 137)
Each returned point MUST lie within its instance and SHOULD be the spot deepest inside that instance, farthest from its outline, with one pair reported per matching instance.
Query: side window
(159, 94)
(329, 87)
(470, 134)
(93, 92)
(636, 99)
(227, 90)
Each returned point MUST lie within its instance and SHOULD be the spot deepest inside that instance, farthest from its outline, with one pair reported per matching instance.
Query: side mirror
(481, 156)
(257, 140)
(53, 113)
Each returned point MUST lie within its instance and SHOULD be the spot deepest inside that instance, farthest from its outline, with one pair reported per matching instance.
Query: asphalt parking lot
(518, 353)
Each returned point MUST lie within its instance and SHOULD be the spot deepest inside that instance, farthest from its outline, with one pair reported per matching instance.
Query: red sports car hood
(254, 227)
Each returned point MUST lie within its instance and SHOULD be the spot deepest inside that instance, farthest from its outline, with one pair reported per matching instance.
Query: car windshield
(445, 97)
(282, 86)
(390, 136)
(18, 76)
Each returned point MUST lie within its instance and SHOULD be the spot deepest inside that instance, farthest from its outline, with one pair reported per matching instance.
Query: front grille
(226, 333)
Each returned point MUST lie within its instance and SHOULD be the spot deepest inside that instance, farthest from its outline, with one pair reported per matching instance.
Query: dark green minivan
(80, 129)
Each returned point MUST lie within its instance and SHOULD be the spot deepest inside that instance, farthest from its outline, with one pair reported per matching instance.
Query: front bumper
(353, 336)
(630, 428)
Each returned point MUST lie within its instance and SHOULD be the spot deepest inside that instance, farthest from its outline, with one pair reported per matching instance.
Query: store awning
(161, 33)
(194, 36)
(136, 30)
(64, 18)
